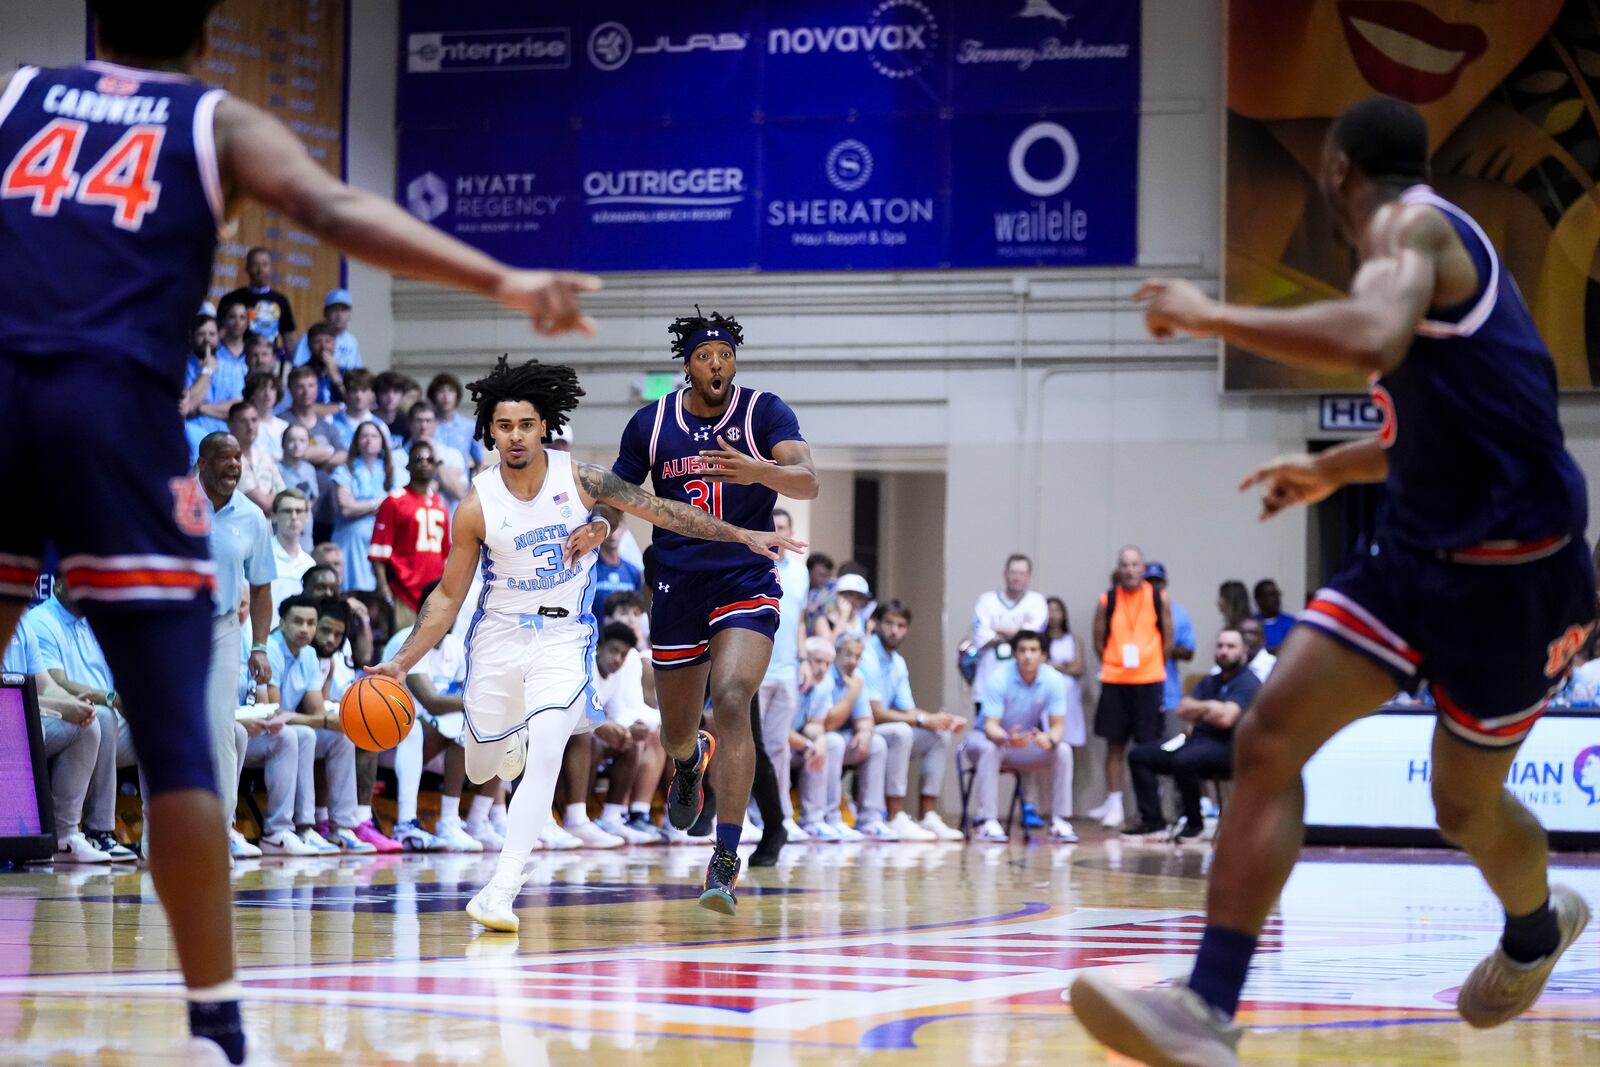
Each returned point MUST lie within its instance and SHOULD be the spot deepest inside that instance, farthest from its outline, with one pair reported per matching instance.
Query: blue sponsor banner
(807, 134)
(516, 198)
(653, 198)
(868, 194)
(840, 57)
(1058, 190)
(1035, 55)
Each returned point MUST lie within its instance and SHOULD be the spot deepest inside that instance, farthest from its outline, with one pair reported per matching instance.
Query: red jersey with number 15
(412, 536)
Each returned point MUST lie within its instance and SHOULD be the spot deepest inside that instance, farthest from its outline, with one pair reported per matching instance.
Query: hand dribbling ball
(376, 713)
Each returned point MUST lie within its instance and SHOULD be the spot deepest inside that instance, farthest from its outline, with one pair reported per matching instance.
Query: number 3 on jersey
(707, 496)
(43, 170)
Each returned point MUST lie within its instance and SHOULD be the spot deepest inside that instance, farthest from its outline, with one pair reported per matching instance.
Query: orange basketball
(376, 713)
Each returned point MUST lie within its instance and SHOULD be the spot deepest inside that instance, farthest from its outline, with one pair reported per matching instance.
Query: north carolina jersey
(664, 441)
(523, 566)
(110, 202)
(1475, 449)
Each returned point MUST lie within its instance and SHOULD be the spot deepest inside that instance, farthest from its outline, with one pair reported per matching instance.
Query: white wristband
(597, 518)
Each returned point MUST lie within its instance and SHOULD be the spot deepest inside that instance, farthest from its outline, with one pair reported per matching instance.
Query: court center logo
(899, 38)
(427, 196)
(1025, 178)
(610, 45)
(849, 165)
(1586, 773)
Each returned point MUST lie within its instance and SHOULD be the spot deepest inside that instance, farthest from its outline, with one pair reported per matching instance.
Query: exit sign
(657, 384)
(1349, 413)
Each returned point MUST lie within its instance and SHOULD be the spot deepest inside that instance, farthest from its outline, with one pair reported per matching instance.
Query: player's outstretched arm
(263, 161)
(439, 611)
(597, 485)
(1307, 479)
(1369, 330)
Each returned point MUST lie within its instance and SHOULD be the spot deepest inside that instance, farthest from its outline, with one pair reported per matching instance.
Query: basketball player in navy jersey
(115, 177)
(729, 451)
(1477, 581)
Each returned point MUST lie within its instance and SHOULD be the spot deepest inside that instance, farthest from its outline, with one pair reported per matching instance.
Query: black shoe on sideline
(773, 838)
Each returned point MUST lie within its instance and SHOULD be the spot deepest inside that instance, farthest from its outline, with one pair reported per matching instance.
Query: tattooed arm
(598, 486)
(439, 611)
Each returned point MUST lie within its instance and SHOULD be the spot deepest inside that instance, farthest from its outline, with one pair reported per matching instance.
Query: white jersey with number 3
(524, 569)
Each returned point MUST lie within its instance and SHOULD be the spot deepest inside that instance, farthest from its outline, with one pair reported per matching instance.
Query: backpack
(1111, 607)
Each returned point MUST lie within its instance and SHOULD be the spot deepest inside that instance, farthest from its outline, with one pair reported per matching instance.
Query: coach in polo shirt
(241, 548)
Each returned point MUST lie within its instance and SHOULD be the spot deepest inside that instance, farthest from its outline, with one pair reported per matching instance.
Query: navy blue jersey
(1476, 455)
(664, 440)
(110, 202)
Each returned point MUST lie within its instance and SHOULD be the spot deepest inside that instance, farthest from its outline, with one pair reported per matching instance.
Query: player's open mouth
(716, 383)
(1407, 51)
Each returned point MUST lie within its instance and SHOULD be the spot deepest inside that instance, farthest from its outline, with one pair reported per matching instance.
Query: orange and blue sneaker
(722, 874)
(684, 795)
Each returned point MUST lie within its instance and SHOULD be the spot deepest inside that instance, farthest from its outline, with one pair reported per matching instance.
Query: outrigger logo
(899, 38)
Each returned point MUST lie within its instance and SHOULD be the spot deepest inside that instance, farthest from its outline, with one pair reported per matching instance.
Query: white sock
(577, 814)
(363, 813)
(322, 815)
(1114, 798)
(449, 810)
(408, 776)
(480, 809)
(641, 808)
(214, 994)
(615, 811)
(529, 812)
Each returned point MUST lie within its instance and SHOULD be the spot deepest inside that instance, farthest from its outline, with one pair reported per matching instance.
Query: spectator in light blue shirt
(345, 354)
(1182, 639)
(456, 427)
(213, 381)
(1022, 724)
(907, 730)
(839, 702)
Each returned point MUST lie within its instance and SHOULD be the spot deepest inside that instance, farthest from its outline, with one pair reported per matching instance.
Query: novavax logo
(899, 38)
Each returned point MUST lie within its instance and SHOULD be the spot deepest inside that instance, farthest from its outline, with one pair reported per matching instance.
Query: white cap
(852, 583)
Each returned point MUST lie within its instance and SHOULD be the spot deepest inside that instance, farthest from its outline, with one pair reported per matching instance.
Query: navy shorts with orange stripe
(94, 461)
(1493, 639)
(688, 608)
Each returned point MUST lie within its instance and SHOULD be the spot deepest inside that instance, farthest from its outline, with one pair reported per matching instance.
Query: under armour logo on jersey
(663, 587)
(701, 435)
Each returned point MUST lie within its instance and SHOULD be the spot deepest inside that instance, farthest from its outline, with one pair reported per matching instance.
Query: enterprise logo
(454, 51)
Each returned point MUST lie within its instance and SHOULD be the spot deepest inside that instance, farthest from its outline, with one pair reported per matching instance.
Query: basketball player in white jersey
(532, 641)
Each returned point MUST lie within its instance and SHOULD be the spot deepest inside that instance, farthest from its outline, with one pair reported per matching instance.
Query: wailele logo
(1024, 178)
(1586, 773)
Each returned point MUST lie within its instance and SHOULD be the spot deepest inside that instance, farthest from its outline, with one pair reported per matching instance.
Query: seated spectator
(321, 582)
(303, 411)
(819, 595)
(456, 428)
(357, 408)
(839, 702)
(213, 380)
(454, 482)
(437, 683)
(286, 752)
(346, 350)
(360, 486)
(637, 766)
(233, 332)
(261, 358)
(290, 517)
(1269, 609)
(908, 731)
(1022, 726)
(1258, 658)
(259, 479)
(388, 388)
(268, 310)
(851, 598)
(612, 573)
(628, 608)
(410, 538)
(71, 727)
(261, 391)
(816, 753)
(1233, 603)
(1212, 709)
(299, 473)
(330, 377)
(297, 687)
(999, 615)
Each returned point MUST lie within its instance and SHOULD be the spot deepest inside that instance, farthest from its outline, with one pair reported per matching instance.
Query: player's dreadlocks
(551, 388)
(685, 330)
